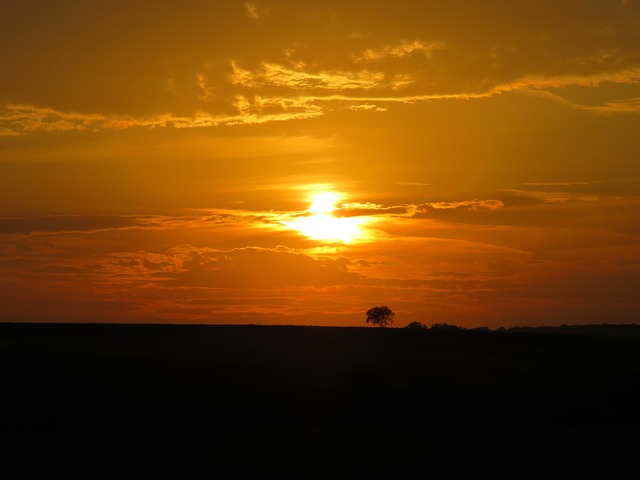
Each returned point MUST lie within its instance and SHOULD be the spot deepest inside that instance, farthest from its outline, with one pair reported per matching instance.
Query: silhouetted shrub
(445, 326)
(416, 326)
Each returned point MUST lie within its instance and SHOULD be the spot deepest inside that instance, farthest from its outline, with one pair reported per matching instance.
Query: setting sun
(324, 203)
(321, 224)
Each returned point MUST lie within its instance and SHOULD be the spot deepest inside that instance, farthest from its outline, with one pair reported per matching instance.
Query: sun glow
(324, 203)
(323, 225)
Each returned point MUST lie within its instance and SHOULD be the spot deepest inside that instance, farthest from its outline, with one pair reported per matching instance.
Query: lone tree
(381, 316)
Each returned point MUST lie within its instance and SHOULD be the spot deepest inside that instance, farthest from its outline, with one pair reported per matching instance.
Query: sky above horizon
(294, 162)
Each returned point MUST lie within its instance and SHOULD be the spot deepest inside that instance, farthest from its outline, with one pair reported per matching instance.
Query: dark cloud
(259, 268)
(60, 223)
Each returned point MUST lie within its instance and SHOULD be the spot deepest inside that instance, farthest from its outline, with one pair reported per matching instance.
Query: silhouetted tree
(416, 326)
(381, 316)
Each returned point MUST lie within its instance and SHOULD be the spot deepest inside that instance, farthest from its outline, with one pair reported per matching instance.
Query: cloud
(629, 105)
(415, 184)
(472, 205)
(24, 119)
(368, 209)
(354, 209)
(274, 75)
(254, 10)
(552, 87)
(276, 92)
(367, 107)
(540, 82)
(553, 184)
(263, 109)
(88, 224)
(67, 223)
(621, 187)
(399, 50)
(253, 267)
(176, 69)
(17, 120)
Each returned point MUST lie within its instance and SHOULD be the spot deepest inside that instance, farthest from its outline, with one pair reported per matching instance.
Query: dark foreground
(133, 401)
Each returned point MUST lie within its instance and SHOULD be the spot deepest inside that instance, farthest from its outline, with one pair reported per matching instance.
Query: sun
(322, 224)
(324, 203)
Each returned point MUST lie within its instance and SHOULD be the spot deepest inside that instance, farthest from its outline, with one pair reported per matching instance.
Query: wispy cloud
(629, 105)
(254, 10)
(466, 204)
(552, 184)
(415, 184)
(399, 50)
(67, 223)
(91, 224)
(367, 107)
(17, 120)
(263, 109)
(552, 87)
(625, 76)
(275, 92)
(274, 75)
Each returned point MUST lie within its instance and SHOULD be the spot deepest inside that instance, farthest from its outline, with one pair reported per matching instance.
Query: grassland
(169, 401)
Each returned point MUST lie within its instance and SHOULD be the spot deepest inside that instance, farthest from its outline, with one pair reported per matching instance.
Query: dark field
(166, 401)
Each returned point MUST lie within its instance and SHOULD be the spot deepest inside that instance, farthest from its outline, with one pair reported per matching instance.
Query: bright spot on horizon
(323, 225)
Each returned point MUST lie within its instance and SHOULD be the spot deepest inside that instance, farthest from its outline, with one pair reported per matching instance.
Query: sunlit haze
(322, 224)
(324, 203)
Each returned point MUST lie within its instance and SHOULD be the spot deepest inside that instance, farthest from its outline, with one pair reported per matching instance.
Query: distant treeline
(617, 330)
(625, 330)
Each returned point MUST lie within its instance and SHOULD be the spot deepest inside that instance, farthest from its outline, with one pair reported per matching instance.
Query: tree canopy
(381, 316)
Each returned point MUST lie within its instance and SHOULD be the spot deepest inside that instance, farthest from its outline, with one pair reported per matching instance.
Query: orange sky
(159, 160)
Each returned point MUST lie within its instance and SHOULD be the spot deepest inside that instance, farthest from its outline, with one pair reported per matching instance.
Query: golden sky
(294, 162)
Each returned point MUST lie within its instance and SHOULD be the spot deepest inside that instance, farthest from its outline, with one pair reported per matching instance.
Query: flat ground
(167, 401)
